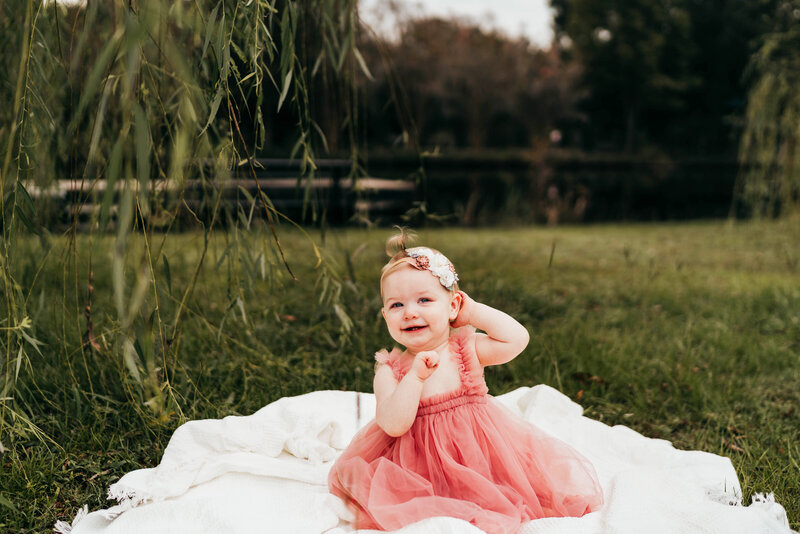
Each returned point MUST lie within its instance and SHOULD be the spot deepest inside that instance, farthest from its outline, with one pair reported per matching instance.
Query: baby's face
(417, 308)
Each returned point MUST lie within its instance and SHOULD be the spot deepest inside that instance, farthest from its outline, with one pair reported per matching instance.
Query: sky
(529, 18)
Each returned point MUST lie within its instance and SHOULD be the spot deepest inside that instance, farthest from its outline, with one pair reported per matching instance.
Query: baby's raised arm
(505, 337)
(397, 402)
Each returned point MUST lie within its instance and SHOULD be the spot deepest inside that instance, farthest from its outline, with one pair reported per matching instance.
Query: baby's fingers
(425, 363)
(431, 360)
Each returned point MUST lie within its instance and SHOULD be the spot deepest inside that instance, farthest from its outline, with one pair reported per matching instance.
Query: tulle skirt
(465, 457)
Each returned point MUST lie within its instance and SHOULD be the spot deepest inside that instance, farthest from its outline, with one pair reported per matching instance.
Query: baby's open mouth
(413, 328)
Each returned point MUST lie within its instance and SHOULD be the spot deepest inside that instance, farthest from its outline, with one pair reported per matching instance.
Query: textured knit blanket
(267, 473)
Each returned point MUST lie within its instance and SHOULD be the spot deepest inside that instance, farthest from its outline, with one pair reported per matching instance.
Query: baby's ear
(456, 300)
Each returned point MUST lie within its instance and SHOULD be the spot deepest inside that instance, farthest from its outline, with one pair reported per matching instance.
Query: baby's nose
(410, 311)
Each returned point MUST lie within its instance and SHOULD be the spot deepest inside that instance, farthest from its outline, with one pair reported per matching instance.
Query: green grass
(687, 332)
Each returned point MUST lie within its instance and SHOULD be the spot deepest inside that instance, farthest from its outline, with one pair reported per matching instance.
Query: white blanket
(267, 472)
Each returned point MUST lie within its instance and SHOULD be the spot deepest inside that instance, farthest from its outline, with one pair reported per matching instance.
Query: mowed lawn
(687, 332)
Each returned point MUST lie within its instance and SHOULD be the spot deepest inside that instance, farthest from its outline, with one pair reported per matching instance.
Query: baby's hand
(463, 317)
(425, 363)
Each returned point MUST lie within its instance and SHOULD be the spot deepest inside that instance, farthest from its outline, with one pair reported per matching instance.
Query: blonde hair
(396, 250)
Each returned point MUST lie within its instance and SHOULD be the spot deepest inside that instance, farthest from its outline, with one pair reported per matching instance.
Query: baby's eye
(395, 305)
(425, 299)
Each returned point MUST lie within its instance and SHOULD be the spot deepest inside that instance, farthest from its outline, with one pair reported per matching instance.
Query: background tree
(770, 179)
(725, 35)
(465, 87)
(665, 73)
(633, 59)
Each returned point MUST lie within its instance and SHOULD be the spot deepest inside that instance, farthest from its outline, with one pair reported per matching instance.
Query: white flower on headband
(436, 263)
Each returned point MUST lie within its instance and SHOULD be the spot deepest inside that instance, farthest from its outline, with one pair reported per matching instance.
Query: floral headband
(436, 263)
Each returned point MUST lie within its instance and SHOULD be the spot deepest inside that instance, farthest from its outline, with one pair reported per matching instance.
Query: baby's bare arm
(505, 337)
(397, 402)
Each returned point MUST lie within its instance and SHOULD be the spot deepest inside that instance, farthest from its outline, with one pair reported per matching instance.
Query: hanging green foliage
(769, 183)
(128, 100)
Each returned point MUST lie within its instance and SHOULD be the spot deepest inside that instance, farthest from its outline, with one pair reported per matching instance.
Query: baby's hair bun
(397, 243)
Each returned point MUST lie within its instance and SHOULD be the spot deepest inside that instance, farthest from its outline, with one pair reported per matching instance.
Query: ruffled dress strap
(462, 346)
(398, 365)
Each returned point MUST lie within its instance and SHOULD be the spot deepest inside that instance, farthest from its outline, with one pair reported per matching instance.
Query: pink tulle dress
(464, 456)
